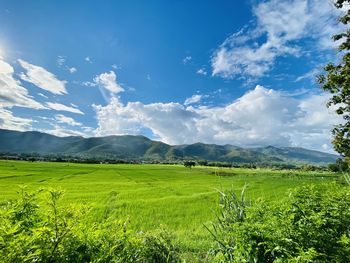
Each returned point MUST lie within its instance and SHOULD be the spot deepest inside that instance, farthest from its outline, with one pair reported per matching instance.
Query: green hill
(30, 142)
(129, 147)
(297, 154)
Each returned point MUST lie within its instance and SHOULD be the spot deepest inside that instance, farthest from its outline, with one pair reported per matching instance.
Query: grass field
(179, 198)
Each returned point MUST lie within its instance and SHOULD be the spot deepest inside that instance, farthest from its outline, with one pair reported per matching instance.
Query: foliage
(313, 225)
(337, 82)
(202, 162)
(189, 164)
(30, 233)
(340, 165)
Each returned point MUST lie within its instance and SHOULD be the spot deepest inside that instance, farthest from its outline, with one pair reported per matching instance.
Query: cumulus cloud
(194, 99)
(62, 107)
(260, 117)
(164, 119)
(280, 25)
(108, 80)
(42, 78)
(12, 93)
(10, 122)
(67, 120)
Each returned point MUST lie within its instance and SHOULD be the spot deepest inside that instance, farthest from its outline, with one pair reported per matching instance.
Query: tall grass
(312, 225)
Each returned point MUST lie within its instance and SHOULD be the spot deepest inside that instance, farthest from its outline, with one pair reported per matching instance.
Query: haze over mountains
(129, 147)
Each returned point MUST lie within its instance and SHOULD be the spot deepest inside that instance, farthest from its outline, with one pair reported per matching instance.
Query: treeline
(340, 165)
(247, 165)
(34, 157)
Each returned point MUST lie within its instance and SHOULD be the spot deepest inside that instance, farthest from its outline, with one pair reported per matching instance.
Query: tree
(339, 166)
(337, 82)
(189, 164)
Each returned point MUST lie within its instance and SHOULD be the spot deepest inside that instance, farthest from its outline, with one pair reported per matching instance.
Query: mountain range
(128, 147)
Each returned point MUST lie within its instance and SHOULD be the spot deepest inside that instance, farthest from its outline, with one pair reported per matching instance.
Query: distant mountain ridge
(129, 147)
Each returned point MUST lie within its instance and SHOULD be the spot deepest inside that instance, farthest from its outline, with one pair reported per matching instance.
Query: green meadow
(180, 199)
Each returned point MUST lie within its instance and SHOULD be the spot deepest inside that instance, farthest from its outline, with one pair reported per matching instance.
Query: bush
(189, 164)
(340, 165)
(30, 233)
(313, 225)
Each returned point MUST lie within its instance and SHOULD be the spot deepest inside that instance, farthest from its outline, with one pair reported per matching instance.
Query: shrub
(189, 164)
(313, 225)
(31, 233)
(340, 165)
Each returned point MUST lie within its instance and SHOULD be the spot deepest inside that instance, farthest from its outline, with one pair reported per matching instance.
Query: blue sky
(237, 72)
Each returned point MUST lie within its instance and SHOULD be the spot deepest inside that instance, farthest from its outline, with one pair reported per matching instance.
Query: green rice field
(182, 200)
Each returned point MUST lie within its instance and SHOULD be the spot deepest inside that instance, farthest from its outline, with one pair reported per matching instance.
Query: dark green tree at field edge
(337, 82)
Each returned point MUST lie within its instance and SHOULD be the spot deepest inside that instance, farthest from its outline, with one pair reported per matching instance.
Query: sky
(223, 72)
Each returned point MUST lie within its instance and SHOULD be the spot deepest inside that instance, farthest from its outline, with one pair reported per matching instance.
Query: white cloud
(202, 71)
(88, 59)
(311, 75)
(115, 66)
(10, 122)
(67, 120)
(72, 70)
(61, 60)
(194, 99)
(108, 80)
(12, 93)
(164, 119)
(89, 131)
(62, 107)
(42, 95)
(282, 23)
(260, 117)
(42, 78)
(88, 84)
(62, 132)
(186, 59)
